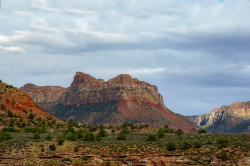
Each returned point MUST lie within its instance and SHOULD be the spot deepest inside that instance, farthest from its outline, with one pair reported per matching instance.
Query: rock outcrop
(45, 96)
(121, 99)
(19, 103)
(233, 118)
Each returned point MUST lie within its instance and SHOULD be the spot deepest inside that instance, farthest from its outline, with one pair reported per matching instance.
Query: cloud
(196, 52)
(79, 12)
(15, 50)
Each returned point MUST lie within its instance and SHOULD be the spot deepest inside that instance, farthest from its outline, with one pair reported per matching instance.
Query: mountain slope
(18, 104)
(121, 99)
(233, 118)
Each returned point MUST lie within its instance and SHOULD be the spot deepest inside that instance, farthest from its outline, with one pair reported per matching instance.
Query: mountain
(121, 99)
(18, 104)
(234, 118)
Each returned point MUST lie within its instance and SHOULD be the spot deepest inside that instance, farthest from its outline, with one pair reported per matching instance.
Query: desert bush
(5, 136)
(89, 136)
(121, 136)
(202, 131)
(60, 139)
(72, 137)
(224, 156)
(102, 132)
(125, 131)
(151, 138)
(10, 129)
(48, 137)
(179, 132)
(35, 129)
(36, 135)
(197, 144)
(80, 135)
(52, 147)
(168, 130)
(66, 159)
(186, 144)
(160, 133)
(171, 146)
(223, 142)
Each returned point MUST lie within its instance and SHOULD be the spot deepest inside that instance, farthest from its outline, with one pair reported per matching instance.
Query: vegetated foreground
(77, 144)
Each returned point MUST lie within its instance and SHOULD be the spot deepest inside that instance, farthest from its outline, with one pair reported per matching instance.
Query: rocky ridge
(121, 99)
(19, 103)
(233, 118)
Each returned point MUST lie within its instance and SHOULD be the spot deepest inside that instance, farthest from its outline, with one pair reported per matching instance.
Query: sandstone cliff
(121, 99)
(233, 118)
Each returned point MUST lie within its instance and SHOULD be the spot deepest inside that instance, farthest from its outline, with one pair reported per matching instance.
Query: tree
(72, 137)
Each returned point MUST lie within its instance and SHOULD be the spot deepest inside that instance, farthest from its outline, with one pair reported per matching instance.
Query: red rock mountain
(19, 103)
(121, 99)
(233, 118)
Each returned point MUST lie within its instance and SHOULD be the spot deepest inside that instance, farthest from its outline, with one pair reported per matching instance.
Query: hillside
(121, 99)
(234, 118)
(16, 108)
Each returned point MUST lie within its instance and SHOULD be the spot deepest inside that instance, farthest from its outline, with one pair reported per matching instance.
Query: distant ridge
(234, 118)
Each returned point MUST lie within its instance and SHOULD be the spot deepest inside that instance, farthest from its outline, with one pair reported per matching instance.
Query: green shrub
(197, 144)
(35, 129)
(5, 136)
(186, 144)
(121, 136)
(102, 132)
(202, 131)
(151, 138)
(11, 129)
(52, 147)
(224, 156)
(89, 136)
(179, 132)
(168, 130)
(72, 137)
(48, 137)
(166, 126)
(125, 131)
(76, 149)
(223, 142)
(161, 133)
(60, 140)
(80, 135)
(36, 135)
(171, 146)
(66, 159)
(98, 137)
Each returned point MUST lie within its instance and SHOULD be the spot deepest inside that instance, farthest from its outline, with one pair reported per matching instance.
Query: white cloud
(7, 50)
(79, 12)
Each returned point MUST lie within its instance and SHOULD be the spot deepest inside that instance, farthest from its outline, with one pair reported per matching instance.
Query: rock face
(233, 118)
(19, 103)
(45, 96)
(121, 99)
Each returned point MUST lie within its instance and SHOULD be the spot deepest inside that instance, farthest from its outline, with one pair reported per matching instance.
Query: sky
(196, 51)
